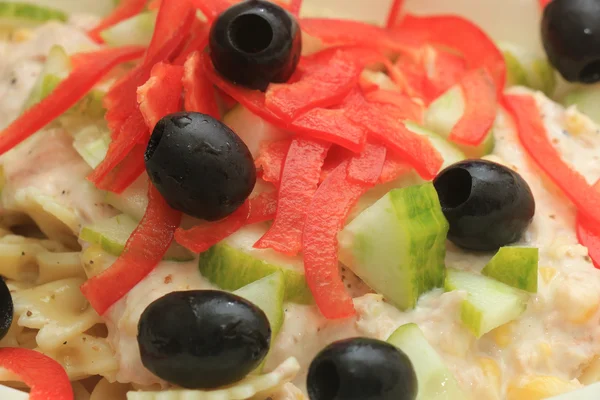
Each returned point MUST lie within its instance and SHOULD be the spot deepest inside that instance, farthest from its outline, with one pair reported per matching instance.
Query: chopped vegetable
(46, 378)
(326, 215)
(199, 93)
(480, 109)
(299, 179)
(271, 159)
(161, 94)
(126, 9)
(394, 14)
(516, 267)
(536, 142)
(136, 30)
(23, 14)
(145, 248)
(84, 77)
(202, 237)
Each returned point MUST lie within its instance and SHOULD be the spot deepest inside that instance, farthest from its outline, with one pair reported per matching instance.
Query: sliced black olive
(571, 36)
(6, 308)
(486, 204)
(199, 165)
(254, 43)
(202, 339)
(361, 369)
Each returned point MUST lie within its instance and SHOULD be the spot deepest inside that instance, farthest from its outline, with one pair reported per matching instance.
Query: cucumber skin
(215, 263)
(392, 256)
(524, 277)
(30, 13)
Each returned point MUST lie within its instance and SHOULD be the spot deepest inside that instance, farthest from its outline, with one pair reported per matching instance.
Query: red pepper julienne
(46, 378)
(145, 248)
(534, 139)
(80, 81)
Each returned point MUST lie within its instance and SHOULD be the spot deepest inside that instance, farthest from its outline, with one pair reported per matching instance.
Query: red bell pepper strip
(386, 128)
(125, 9)
(409, 108)
(299, 180)
(197, 43)
(199, 94)
(271, 158)
(347, 32)
(335, 156)
(393, 168)
(544, 3)
(481, 105)
(326, 216)
(326, 78)
(154, 4)
(394, 14)
(443, 69)
(212, 8)
(459, 34)
(80, 81)
(145, 248)
(202, 237)
(46, 378)
(534, 139)
(161, 94)
(588, 234)
(295, 6)
(367, 167)
(331, 125)
(262, 207)
(170, 32)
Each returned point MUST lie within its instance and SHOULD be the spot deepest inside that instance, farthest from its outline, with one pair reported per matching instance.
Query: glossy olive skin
(199, 165)
(202, 339)
(571, 37)
(486, 204)
(254, 43)
(361, 369)
(6, 308)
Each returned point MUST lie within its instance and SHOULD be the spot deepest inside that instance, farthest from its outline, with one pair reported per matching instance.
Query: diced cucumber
(586, 99)
(489, 303)
(91, 143)
(398, 245)
(527, 69)
(136, 30)
(267, 294)
(93, 7)
(22, 14)
(57, 67)
(516, 267)
(445, 111)
(436, 382)
(450, 153)
(252, 129)
(234, 263)
(112, 234)
(133, 201)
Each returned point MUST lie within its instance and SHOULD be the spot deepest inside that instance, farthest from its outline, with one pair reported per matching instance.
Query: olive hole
(453, 187)
(327, 382)
(251, 33)
(590, 73)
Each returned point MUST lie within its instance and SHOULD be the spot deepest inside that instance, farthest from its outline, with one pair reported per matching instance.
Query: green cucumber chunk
(91, 143)
(449, 152)
(21, 14)
(444, 112)
(526, 69)
(398, 245)
(133, 201)
(586, 99)
(489, 303)
(112, 234)
(234, 263)
(516, 267)
(56, 68)
(436, 382)
(134, 31)
(268, 294)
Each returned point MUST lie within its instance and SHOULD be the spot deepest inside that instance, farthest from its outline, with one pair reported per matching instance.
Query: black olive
(202, 339)
(361, 369)
(571, 37)
(254, 43)
(199, 165)
(486, 204)
(6, 309)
